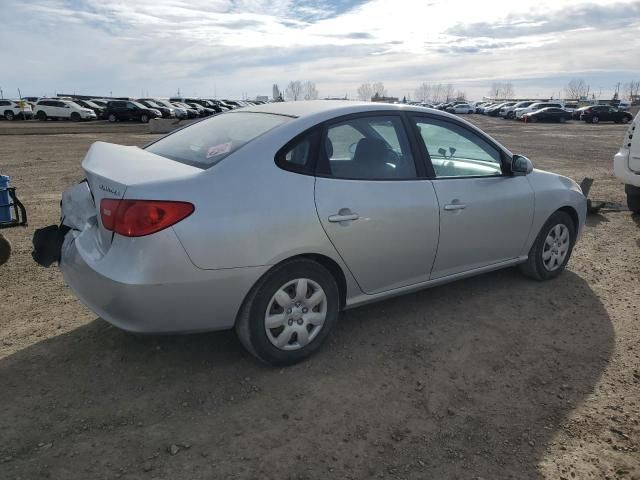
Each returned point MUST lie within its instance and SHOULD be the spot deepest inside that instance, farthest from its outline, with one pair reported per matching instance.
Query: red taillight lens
(137, 218)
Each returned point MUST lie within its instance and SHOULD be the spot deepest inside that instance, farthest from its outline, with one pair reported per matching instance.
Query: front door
(380, 216)
(485, 214)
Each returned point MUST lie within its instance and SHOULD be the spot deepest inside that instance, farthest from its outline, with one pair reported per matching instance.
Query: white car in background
(626, 164)
(13, 109)
(461, 108)
(534, 107)
(509, 112)
(57, 108)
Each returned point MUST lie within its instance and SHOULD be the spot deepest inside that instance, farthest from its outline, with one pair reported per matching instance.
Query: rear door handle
(344, 215)
(455, 206)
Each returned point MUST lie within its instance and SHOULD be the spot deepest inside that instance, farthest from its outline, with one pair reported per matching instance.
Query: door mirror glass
(521, 165)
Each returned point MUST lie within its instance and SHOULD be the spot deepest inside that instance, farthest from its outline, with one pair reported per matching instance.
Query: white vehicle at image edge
(56, 108)
(626, 164)
(271, 219)
(14, 109)
(534, 107)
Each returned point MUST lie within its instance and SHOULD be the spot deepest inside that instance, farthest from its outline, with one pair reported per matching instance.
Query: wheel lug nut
(289, 310)
(300, 321)
(290, 322)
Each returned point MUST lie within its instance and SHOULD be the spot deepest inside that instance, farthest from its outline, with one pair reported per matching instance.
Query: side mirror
(521, 165)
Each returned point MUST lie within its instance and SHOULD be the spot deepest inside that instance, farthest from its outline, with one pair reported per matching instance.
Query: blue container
(5, 209)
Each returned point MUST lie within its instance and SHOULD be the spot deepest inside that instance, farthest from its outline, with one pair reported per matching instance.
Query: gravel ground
(492, 377)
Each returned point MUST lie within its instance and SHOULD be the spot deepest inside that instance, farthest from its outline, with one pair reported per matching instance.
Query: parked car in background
(338, 245)
(575, 115)
(624, 106)
(626, 165)
(31, 99)
(97, 109)
(461, 108)
(202, 111)
(519, 112)
(124, 110)
(570, 107)
(508, 112)
(15, 109)
(180, 112)
(548, 114)
(495, 110)
(167, 112)
(55, 109)
(605, 113)
(191, 112)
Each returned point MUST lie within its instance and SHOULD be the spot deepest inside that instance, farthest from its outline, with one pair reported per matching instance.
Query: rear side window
(205, 143)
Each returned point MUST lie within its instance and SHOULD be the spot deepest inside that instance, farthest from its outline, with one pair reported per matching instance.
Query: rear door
(374, 202)
(485, 213)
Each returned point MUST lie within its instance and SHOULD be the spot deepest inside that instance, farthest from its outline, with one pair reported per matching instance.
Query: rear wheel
(41, 115)
(595, 119)
(112, 118)
(144, 118)
(633, 198)
(9, 115)
(75, 117)
(625, 120)
(552, 248)
(289, 313)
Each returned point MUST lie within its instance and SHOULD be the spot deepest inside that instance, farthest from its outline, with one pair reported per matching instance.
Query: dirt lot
(493, 377)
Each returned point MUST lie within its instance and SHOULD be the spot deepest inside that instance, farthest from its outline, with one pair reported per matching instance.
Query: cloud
(237, 46)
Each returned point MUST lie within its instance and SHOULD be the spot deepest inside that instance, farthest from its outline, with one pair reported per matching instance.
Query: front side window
(458, 152)
(205, 143)
(368, 148)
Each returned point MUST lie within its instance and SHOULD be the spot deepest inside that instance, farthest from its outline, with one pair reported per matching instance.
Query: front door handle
(455, 206)
(344, 215)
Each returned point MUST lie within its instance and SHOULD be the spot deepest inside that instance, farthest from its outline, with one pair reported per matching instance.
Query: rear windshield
(205, 143)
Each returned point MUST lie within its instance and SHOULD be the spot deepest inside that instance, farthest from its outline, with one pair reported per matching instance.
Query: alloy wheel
(295, 314)
(556, 247)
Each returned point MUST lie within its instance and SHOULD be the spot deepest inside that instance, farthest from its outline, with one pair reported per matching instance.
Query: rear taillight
(137, 218)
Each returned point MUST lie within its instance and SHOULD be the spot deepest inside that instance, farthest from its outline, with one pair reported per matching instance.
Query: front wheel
(9, 115)
(112, 118)
(625, 120)
(552, 248)
(289, 313)
(144, 118)
(595, 119)
(75, 117)
(42, 116)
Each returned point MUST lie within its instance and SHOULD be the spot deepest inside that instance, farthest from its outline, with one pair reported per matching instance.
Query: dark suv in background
(122, 110)
(151, 103)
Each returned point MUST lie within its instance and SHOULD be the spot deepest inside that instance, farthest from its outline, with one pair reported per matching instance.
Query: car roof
(326, 108)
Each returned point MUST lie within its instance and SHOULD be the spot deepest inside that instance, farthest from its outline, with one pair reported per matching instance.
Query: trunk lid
(110, 171)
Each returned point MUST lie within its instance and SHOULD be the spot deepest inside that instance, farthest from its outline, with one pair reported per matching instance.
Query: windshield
(205, 143)
(139, 105)
(91, 104)
(73, 104)
(151, 104)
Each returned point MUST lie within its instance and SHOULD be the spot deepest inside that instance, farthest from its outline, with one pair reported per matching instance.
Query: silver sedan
(271, 219)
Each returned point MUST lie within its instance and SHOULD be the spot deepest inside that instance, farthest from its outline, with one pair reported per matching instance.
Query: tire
(5, 250)
(535, 266)
(625, 120)
(532, 119)
(144, 118)
(595, 119)
(112, 118)
(633, 198)
(563, 120)
(75, 117)
(41, 115)
(251, 322)
(9, 115)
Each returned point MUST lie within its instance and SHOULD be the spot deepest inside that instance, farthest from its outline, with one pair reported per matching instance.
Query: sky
(240, 48)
